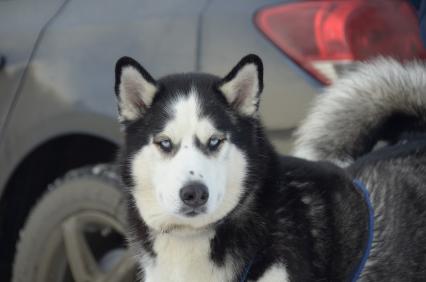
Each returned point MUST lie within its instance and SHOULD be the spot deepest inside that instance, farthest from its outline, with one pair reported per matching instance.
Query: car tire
(76, 231)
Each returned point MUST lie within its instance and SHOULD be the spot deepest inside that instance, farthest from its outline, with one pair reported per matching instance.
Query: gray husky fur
(372, 122)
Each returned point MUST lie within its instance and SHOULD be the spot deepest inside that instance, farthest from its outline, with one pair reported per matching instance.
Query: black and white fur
(373, 122)
(285, 218)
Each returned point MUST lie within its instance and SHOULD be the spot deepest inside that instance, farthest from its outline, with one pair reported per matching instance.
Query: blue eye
(165, 145)
(214, 143)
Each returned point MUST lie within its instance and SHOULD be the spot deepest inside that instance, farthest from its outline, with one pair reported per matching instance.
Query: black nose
(194, 194)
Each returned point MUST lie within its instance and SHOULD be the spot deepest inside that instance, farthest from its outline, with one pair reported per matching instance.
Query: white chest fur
(275, 273)
(185, 259)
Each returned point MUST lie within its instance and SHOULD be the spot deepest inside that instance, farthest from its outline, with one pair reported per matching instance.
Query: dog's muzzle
(194, 195)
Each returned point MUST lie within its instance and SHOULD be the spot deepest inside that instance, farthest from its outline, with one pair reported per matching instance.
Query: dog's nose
(194, 194)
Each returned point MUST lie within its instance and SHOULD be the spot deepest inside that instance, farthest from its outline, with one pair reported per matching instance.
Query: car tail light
(326, 37)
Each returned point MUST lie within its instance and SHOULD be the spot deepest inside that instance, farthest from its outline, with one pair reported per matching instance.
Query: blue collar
(246, 271)
(359, 185)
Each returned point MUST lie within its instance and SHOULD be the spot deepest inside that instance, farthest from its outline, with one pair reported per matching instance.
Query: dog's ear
(243, 85)
(135, 89)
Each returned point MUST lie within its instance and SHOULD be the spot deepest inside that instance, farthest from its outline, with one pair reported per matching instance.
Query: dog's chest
(185, 260)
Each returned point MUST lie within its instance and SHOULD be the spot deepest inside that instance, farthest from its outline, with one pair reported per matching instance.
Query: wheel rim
(88, 246)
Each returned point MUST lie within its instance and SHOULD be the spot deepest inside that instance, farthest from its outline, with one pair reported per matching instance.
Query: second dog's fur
(373, 122)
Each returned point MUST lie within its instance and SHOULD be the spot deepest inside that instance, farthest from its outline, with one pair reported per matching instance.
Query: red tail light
(324, 36)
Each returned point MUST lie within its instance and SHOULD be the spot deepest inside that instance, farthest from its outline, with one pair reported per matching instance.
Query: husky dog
(210, 199)
(373, 122)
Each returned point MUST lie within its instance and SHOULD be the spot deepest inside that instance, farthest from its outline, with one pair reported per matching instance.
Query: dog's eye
(214, 143)
(165, 145)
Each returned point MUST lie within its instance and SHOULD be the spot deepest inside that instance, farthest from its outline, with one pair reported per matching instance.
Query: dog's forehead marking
(187, 121)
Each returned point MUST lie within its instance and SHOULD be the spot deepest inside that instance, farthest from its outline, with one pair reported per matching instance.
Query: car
(62, 213)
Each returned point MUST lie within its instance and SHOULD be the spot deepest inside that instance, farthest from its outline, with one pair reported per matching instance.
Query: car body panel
(21, 24)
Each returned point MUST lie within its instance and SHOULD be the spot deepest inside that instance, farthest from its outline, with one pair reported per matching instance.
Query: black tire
(76, 231)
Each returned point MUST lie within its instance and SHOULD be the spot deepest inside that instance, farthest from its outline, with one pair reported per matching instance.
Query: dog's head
(189, 140)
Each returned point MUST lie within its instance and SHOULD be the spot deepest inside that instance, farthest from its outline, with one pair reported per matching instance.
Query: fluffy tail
(380, 100)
